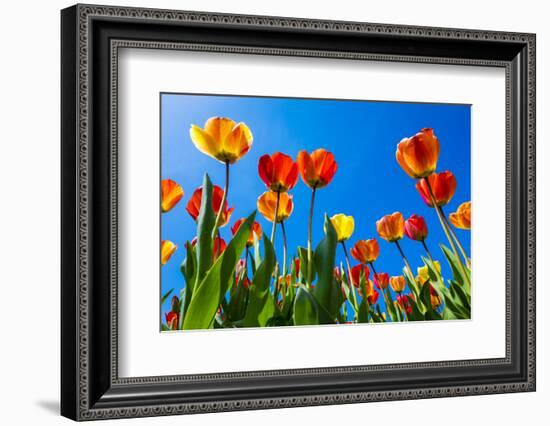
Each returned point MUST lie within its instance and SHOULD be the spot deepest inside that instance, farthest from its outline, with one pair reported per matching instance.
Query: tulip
(172, 320)
(222, 139)
(240, 268)
(194, 205)
(227, 142)
(373, 297)
(423, 273)
(318, 168)
(438, 187)
(279, 172)
(356, 272)
(405, 301)
(391, 227)
(418, 154)
(397, 283)
(435, 299)
(365, 251)
(171, 193)
(218, 246)
(167, 249)
(297, 266)
(266, 206)
(381, 280)
(462, 217)
(437, 190)
(415, 228)
(344, 226)
(256, 231)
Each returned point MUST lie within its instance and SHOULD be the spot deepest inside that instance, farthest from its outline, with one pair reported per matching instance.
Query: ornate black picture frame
(91, 37)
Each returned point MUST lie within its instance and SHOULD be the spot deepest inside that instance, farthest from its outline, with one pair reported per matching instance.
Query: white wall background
(29, 210)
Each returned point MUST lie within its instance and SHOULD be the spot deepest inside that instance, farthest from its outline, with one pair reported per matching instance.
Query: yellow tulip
(344, 226)
(167, 249)
(222, 139)
(423, 274)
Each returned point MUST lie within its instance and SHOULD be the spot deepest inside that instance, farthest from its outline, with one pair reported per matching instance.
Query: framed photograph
(263, 212)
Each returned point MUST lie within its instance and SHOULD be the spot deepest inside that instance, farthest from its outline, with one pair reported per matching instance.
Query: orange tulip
(167, 249)
(443, 186)
(317, 169)
(365, 251)
(171, 193)
(222, 139)
(266, 205)
(194, 205)
(462, 217)
(279, 172)
(381, 280)
(391, 227)
(435, 299)
(418, 154)
(397, 283)
(256, 230)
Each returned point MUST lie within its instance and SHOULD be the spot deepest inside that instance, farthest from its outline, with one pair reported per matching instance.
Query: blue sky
(368, 184)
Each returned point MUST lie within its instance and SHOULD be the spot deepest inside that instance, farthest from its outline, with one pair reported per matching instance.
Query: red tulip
(194, 205)
(443, 186)
(356, 274)
(279, 172)
(256, 230)
(172, 320)
(317, 169)
(381, 280)
(405, 301)
(218, 248)
(373, 297)
(415, 228)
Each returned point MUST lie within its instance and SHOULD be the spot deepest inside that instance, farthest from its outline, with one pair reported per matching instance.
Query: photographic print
(302, 212)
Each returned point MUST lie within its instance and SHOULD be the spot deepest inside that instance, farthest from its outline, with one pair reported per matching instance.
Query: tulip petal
(204, 142)
(238, 141)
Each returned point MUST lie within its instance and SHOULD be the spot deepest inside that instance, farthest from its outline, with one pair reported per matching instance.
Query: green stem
(224, 199)
(284, 248)
(275, 217)
(404, 258)
(427, 251)
(309, 238)
(462, 251)
(351, 286)
(446, 230)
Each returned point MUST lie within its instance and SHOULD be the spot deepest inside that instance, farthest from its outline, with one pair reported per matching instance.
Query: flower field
(240, 273)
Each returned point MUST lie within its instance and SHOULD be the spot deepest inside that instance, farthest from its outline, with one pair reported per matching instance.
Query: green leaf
(363, 314)
(208, 295)
(324, 256)
(260, 304)
(302, 255)
(456, 267)
(305, 308)
(166, 296)
(205, 225)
